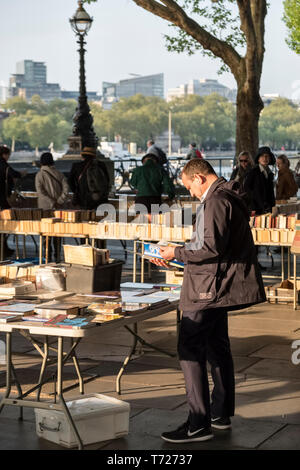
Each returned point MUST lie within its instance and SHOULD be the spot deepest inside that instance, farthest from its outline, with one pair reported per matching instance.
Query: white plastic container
(96, 417)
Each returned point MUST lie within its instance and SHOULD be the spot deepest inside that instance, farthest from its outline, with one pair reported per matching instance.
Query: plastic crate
(87, 279)
(96, 417)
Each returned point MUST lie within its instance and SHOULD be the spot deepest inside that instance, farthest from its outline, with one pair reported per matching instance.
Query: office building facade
(202, 87)
(150, 85)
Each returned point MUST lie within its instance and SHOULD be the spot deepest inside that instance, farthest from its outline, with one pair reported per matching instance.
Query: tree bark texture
(246, 69)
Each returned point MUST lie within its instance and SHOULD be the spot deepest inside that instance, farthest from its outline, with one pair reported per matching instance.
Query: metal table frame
(28, 330)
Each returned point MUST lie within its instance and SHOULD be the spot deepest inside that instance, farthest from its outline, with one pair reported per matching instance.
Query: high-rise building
(4, 92)
(150, 85)
(31, 79)
(202, 87)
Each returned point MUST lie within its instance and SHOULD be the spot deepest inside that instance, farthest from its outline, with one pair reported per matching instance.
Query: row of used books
(269, 221)
(70, 215)
(276, 236)
(101, 229)
(82, 311)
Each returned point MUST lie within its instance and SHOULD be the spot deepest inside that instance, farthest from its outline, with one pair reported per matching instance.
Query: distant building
(73, 95)
(4, 92)
(269, 97)
(150, 85)
(202, 87)
(31, 79)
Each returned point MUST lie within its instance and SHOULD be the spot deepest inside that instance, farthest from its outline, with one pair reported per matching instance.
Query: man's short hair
(193, 144)
(198, 166)
(151, 142)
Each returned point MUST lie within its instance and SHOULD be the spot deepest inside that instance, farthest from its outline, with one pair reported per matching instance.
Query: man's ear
(200, 179)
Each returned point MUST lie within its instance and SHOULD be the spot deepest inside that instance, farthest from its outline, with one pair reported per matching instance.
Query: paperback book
(17, 308)
(152, 250)
(6, 318)
(62, 321)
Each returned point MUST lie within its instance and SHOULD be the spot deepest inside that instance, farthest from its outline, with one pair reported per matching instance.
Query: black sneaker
(221, 423)
(183, 434)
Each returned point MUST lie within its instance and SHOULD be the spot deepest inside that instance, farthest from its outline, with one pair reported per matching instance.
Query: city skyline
(113, 52)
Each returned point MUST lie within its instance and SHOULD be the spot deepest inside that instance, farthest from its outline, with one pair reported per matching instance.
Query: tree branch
(171, 11)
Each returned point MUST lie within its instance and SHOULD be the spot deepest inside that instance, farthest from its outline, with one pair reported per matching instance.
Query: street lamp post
(83, 132)
(170, 133)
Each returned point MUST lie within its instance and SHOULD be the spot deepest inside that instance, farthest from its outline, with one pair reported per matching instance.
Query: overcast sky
(125, 39)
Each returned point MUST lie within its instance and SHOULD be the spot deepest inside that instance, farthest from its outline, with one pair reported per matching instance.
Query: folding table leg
(43, 368)
(61, 400)
(8, 370)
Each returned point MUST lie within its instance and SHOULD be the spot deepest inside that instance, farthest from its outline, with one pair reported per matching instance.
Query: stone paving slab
(275, 368)
(273, 325)
(274, 351)
(286, 438)
(245, 433)
(279, 410)
(267, 388)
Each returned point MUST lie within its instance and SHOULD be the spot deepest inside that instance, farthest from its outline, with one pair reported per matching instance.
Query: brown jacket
(223, 272)
(286, 186)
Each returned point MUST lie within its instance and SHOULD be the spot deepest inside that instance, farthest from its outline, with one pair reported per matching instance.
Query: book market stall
(55, 306)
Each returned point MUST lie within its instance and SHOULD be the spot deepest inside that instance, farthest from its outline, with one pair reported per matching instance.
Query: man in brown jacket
(220, 273)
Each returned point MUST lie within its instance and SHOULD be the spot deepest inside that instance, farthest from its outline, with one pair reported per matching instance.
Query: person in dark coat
(220, 273)
(259, 183)
(244, 165)
(7, 177)
(78, 181)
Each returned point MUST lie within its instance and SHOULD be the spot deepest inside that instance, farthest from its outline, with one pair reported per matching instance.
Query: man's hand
(159, 262)
(167, 252)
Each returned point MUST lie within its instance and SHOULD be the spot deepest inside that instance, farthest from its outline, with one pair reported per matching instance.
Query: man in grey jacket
(221, 273)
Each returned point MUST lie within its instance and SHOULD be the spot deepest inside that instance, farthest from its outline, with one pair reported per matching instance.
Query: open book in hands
(152, 252)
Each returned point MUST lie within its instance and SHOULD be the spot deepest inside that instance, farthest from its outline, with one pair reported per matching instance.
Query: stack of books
(105, 311)
(10, 312)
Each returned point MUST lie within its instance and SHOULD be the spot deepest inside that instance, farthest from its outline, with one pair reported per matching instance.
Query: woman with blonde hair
(244, 165)
(286, 185)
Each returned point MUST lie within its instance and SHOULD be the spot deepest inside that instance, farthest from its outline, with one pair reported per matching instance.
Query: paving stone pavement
(267, 384)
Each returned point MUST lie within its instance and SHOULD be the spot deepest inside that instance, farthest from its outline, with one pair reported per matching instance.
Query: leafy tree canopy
(292, 20)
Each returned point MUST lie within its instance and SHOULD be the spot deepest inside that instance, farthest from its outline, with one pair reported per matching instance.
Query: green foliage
(221, 19)
(292, 20)
(279, 124)
(208, 120)
(37, 122)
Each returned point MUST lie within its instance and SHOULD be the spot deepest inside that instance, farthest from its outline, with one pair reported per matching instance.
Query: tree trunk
(249, 106)
(13, 142)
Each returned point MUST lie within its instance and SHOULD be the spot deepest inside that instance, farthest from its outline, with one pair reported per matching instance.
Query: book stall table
(31, 330)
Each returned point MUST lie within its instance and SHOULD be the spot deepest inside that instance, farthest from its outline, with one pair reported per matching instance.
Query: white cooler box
(96, 417)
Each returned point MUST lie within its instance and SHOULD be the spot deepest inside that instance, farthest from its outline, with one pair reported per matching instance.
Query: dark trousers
(203, 336)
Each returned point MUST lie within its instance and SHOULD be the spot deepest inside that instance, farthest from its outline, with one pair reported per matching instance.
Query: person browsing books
(220, 274)
(150, 181)
(52, 191)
